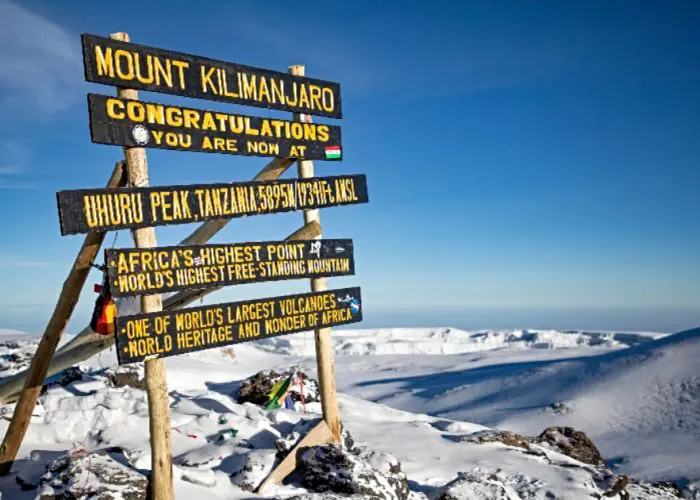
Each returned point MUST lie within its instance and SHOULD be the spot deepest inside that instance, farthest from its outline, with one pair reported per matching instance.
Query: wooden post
(324, 346)
(52, 336)
(156, 383)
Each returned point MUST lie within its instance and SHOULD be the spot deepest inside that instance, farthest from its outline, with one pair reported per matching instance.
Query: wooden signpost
(168, 269)
(122, 122)
(112, 62)
(85, 210)
(164, 334)
(194, 269)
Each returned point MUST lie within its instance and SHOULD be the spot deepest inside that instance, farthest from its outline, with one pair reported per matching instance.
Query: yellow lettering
(105, 65)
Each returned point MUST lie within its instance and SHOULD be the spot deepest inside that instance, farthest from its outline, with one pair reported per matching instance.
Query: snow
(410, 393)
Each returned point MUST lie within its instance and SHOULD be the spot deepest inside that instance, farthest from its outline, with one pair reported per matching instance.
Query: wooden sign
(169, 333)
(125, 122)
(135, 271)
(139, 67)
(86, 210)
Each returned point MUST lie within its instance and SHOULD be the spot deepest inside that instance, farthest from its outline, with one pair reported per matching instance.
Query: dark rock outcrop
(64, 378)
(91, 475)
(254, 468)
(490, 436)
(127, 376)
(331, 468)
(570, 442)
(255, 389)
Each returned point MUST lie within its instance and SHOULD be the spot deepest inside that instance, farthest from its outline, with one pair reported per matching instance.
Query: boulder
(64, 378)
(255, 467)
(331, 468)
(16, 355)
(127, 376)
(91, 475)
(255, 389)
(572, 443)
(491, 484)
(466, 487)
(490, 436)
(638, 490)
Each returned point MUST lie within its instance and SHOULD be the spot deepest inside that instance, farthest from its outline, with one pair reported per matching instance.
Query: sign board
(135, 271)
(85, 210)
(139, 67)
(169, 333)
(126, 122)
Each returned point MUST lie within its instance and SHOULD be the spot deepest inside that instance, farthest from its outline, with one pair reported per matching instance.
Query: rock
(490, 436)
(255, 467)
(390, 466)
(491, 484)
(331, 468)
(572, 443)
(653, 491)
(16, 355)
(255, 389)
(91, 475)
(560, 408)
(289, 441)
(127, 376)
(468, 488)
(64, 378)
(317, 496)
(202, 477)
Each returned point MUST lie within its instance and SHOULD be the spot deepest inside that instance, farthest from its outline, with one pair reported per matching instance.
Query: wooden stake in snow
(52, 336)
(156, 384)
(324, 352)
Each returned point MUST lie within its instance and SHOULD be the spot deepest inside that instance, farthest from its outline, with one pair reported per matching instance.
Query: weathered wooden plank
(122, 122)
(161, 483)
(85, 210)
(164, 334)
(62, 313)
(134, 271)
(112, 62)
(322, 336)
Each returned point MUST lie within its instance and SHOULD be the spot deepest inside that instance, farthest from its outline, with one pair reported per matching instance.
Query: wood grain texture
(324, 347)
(67, 300)
(156, 382)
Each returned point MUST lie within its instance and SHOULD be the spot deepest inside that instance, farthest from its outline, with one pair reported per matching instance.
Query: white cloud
(10, 170)
(15, 157)
(19, 186)
(40, 62)
(18, 261)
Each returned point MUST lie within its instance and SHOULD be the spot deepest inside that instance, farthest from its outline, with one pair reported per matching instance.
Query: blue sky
(530, 164)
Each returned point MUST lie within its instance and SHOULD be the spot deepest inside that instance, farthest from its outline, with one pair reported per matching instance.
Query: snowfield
(425, 397)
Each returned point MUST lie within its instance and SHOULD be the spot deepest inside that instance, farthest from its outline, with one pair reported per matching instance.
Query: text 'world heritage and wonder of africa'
(164, 334)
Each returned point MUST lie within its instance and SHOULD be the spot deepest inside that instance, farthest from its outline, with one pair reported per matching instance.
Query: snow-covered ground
(413, 393)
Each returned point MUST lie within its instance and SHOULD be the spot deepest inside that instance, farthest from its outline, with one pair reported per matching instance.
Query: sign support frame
(43, 356)
(156, 382)
(324, 344)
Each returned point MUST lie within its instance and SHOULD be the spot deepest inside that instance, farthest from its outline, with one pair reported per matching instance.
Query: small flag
(333, 152)
(197, 261)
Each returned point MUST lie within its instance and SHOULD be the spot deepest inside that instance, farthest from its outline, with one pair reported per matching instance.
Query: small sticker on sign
(140, 135)
(332, 152)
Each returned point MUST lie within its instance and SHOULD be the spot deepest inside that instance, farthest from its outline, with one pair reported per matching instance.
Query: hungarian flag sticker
(332, 152)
